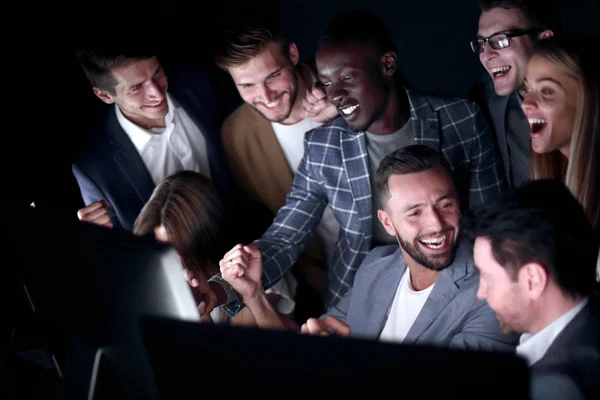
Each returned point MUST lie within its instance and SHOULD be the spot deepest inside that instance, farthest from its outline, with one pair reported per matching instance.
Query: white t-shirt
(405, 309)
(291, 140)
(179, 145)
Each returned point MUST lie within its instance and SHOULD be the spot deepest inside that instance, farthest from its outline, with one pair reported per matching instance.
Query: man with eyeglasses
(508, 30)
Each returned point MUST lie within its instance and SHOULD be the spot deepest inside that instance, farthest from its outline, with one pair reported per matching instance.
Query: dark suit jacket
(110, 168)
(570, 369)
(495, 109)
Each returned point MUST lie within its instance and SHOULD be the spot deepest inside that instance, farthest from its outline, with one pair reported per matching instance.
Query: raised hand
(241, 267)
(316, 106)
(96, 213)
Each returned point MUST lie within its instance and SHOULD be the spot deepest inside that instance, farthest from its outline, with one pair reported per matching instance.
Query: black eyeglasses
(499, 40)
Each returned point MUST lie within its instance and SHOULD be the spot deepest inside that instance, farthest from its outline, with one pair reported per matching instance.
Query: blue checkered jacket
(335, 170)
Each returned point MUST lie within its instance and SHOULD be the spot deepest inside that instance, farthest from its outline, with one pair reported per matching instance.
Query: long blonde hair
(575, 54)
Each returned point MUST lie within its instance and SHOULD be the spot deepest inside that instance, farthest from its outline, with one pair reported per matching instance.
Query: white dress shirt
(534, 347)
(180, 145)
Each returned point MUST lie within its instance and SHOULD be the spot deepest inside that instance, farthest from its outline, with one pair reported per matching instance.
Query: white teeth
(273, 104)
(498, 70)
(434, 243)
(537, 121)
(349, 110)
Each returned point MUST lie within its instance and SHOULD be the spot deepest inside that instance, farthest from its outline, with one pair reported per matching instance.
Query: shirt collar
(140, 136)
(534, 347)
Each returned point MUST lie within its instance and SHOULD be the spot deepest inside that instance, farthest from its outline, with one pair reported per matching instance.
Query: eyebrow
(546, 79)
(140, 83)
(448, 195)
(499, 32)
(268, 76)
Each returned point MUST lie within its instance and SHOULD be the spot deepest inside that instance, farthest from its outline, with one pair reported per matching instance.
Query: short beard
(293, 97)
(433, 263)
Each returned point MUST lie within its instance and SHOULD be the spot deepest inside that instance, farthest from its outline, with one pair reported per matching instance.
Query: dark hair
(539, 14)
(362, 27)
(98, 61)
(246, 34)
(190, 208)
(406, 160)
(539, 222)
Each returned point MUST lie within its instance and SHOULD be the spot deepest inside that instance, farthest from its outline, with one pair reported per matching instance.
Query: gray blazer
(452, 316)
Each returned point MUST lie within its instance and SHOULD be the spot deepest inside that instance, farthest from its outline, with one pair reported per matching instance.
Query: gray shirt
(379, 146)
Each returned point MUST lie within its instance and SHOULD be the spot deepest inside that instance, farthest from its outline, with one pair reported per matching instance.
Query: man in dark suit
(508, 30)
(536, 252)
(154, 127)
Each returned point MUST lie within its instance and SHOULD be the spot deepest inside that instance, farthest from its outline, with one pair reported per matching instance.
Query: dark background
(50, 108)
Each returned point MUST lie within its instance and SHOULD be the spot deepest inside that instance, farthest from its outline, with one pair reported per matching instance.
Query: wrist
(219, 291)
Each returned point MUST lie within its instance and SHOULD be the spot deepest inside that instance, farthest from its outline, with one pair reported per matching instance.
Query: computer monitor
(238, 362)
(89, 286)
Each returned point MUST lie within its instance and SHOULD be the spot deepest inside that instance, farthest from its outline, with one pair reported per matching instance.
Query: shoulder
(98, 142)
(381, 258)
(448, 107)
(239, 119)
(328, 132)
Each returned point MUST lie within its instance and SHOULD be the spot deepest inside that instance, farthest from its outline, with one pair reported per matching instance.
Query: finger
(304, 329)
(336, 326)
(318, 92)
(234, 248)
(315, 327)
(83, 212)
(310, 97)
(252, 251)
(232, 271)
(190, 276)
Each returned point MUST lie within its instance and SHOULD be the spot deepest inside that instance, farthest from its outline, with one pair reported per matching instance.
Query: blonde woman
(562, 104)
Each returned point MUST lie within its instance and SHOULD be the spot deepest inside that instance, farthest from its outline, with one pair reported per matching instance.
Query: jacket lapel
(445, 289)
(274, 166)
(132, 167)
(386, 292)
(195, 109)
(355, 158)
(425, 121)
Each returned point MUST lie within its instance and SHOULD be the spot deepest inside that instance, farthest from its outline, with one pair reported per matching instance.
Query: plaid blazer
(335, 170)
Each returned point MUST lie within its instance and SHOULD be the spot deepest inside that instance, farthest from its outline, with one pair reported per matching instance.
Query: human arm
(241, 267)
(293, 227)
(486, 174)
(91, 193)
(481, 331)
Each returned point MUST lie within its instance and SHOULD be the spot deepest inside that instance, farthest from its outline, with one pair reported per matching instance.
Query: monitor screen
(89, 286)
(248, 362)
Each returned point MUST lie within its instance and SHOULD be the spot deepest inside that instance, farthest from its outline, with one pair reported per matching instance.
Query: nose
(488, 53)
(266, 94)
(529, 102)
(154, 91)
(337, 94)
(434, 221)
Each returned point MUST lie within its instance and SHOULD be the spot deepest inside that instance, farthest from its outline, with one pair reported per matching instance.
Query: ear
(535, 279)
(103, 95)
(293, 53)
(545, 34)
(389, 62)
(386, 221)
